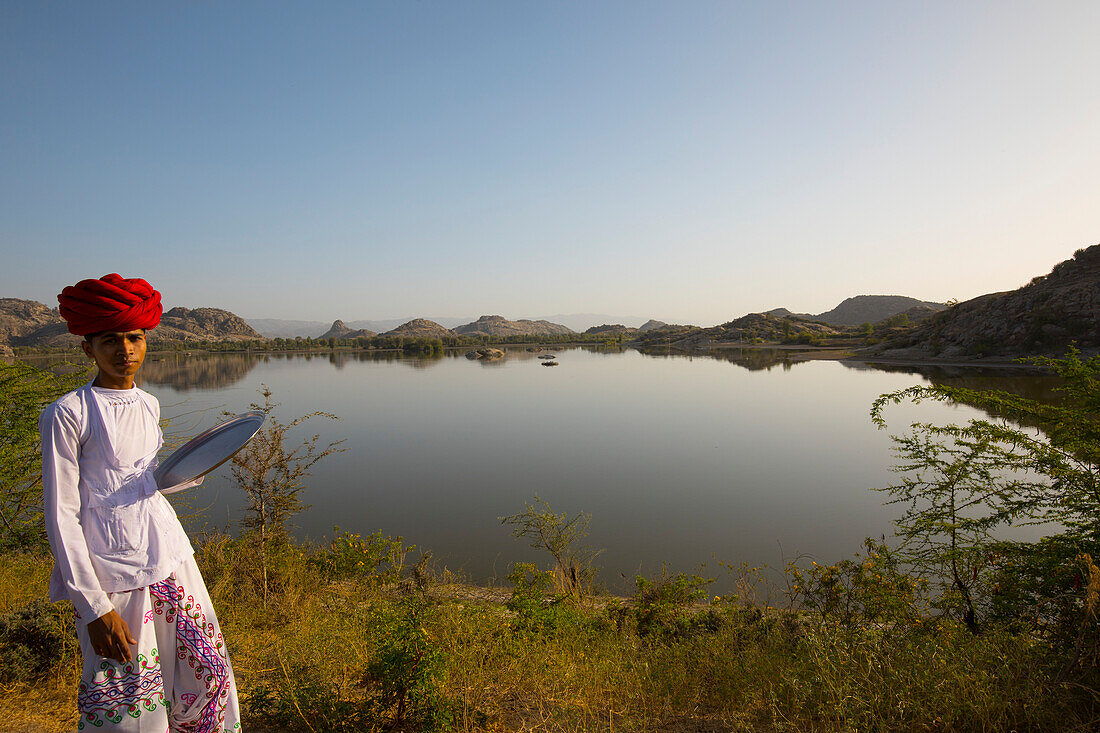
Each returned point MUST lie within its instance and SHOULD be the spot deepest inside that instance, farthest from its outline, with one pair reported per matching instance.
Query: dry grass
(311, 651)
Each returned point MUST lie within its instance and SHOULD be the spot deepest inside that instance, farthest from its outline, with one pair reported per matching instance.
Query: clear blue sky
(689, 161)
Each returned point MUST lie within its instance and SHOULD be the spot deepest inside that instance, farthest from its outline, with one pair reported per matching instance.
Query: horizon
(692, 163)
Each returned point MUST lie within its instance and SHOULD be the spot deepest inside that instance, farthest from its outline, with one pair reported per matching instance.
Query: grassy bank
(352, 638)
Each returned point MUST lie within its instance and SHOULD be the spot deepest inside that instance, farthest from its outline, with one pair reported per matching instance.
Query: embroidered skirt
(179, 678)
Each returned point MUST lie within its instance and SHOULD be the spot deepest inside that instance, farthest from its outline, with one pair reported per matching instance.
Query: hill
(341, 331)
(420, 328)
(202, 324)
(1043, 317)
(750, 329)
(500, 326)
(871, 309)
(611, 329)
(20, 318)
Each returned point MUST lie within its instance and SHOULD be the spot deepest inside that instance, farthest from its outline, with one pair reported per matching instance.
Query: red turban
(111, 303)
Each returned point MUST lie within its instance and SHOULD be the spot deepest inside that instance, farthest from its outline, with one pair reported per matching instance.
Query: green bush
(533, 602)
(660, 608)
(33, 640)
(408, 671)
(870, 588)
(375, 559)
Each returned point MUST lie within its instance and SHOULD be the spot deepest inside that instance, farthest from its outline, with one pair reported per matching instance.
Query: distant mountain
(581, 321)
(1043, 317)
(500, 326)
(871, 309)
(652, 324)
(277, 328)
(420, 328)
(340, 331)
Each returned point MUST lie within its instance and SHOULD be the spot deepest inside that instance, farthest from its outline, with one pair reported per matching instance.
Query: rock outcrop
(420, 328)
(1043, 317)
(501, 326)
(485, 353)
(651, 325)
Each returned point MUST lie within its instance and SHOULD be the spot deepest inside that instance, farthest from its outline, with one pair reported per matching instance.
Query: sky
(686, 160)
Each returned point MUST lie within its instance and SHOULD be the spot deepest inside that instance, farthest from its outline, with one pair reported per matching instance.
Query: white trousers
(178, 679)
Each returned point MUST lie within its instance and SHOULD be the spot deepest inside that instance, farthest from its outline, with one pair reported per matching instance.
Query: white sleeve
(60, 431)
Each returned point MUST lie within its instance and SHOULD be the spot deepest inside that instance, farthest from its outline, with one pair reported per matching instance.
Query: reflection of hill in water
(202, 371)
(755, 360)
(1034, 384)
(1031, 384)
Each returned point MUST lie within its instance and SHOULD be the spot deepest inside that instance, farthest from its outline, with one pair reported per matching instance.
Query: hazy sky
(688, 161)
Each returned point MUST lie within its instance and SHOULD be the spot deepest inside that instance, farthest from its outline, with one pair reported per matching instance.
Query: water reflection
(1028, 382)
(185, 372)
(753, 359)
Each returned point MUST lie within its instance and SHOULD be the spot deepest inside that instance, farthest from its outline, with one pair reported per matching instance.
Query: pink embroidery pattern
(201, 645)
(118, 691)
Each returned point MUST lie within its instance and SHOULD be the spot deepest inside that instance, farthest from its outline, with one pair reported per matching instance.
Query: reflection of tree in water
(754, 360)
(198, 371)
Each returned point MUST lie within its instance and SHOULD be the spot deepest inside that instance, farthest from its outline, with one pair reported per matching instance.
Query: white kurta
(109, 528)
(118, 545)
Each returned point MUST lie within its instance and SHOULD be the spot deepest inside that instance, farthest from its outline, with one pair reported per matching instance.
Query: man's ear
(87, 346)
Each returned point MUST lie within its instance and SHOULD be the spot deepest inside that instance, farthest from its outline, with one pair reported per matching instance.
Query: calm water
(680, 460)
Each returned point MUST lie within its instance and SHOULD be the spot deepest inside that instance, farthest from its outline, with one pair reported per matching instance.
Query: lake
(684, 461)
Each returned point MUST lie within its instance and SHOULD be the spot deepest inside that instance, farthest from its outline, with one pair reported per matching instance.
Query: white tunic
(109, 528)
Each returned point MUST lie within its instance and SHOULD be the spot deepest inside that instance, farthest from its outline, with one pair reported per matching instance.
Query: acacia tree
(561, 536)
(271, 475)
(960, 483)
(24, 391)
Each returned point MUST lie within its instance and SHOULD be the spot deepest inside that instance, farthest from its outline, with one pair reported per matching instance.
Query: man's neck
(105, 381)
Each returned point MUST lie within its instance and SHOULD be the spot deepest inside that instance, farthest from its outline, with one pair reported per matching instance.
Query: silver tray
(208, 450)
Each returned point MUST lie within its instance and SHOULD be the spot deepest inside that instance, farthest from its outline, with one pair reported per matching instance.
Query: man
(154, 657)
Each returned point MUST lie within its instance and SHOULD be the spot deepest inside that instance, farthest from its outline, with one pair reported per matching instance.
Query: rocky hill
(31, 324)
(749, 329)
(19, 319)
(916, 314)
(1043, 317)
(341, 331)
(420, 328)
(500, 326)
(871, 309)
(784, 313)
(652, 324)
(202, 324)
(614, 329)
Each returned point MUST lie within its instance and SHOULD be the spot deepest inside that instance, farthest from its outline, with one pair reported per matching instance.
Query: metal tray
(208, 450)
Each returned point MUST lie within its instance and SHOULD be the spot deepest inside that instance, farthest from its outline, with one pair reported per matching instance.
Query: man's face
(118, 354)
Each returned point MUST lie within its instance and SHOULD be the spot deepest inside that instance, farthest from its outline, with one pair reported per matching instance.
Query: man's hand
(110, 637)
